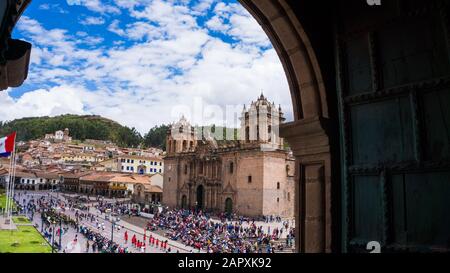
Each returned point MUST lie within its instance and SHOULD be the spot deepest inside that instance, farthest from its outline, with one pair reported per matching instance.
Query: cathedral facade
(251, 175)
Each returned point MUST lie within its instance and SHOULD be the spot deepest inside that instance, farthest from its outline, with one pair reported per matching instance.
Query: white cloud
(53, 7)
(44, 6)
(217, 23)
(95, 6)
(114, 27)
(203, 6)
(164, 59)
(41, 102)
(92, 21)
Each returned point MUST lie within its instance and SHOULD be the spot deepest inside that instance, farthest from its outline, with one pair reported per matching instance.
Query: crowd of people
(222, 233)
(56, 223)
(198, 230)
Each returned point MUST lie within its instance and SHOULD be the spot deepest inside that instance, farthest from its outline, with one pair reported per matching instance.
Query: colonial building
(59, 136)
(146, 193)
(71, 180)
(140, 164)
(251, 176)
(35, 179)
(114, 184)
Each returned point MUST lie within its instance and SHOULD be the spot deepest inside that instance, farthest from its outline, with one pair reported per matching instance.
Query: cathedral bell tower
(260, 124)
(180, 137)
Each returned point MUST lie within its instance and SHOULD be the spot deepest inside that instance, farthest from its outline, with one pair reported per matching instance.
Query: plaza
(369, 86)
(100, 225)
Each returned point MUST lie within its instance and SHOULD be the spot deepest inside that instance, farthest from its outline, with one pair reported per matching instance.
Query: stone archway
(308, 135)
(366, 119)
(312, 136)
(184, 202)
(229, 206)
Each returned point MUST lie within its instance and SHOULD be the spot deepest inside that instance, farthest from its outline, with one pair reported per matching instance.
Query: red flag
(7, 145)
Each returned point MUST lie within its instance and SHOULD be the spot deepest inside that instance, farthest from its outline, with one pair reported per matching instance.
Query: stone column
(310, 144)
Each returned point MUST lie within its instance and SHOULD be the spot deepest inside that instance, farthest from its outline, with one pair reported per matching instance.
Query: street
(70, 246)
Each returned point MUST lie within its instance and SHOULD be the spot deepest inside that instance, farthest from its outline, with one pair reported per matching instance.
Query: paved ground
(134, 226)
(118, 236)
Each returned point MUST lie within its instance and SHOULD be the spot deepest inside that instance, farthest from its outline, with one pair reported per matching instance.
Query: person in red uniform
(133, 240)
(126, 237)
(157, 243)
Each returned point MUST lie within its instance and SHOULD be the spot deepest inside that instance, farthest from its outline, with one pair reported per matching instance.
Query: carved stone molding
(309, 142)
(307, 137)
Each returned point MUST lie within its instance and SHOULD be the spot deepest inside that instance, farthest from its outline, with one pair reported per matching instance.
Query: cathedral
(250, 175)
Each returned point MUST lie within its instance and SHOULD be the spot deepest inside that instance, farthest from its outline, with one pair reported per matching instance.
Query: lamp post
(58, 187)
(53, 237)
(113, 225)
(42, 221)
(112, 230)
(60, 233)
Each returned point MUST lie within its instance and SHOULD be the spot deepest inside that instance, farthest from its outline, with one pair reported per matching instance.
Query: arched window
(231, 167)
(278, 185)
(247, 134)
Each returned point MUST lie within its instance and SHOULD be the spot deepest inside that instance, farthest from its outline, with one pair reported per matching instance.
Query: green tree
(80, 127)
(156, 137)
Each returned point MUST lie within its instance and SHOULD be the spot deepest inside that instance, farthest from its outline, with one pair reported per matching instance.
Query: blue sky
(144, 62)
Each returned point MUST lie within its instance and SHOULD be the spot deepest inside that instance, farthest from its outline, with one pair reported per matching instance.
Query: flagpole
(14, 176)
(8, 190)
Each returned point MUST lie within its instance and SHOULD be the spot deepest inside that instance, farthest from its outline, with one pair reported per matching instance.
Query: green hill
(81, 128)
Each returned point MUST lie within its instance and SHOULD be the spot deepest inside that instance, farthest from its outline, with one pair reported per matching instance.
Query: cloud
(52, 7)
(44, 6)
(41, 102)
(114, 27)
(203, 6)
(217, 23)
(95, 6)
(92, 21)
(166, 58)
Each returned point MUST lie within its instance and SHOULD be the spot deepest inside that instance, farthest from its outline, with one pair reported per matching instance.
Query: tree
(156, 137)
(80, 127)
